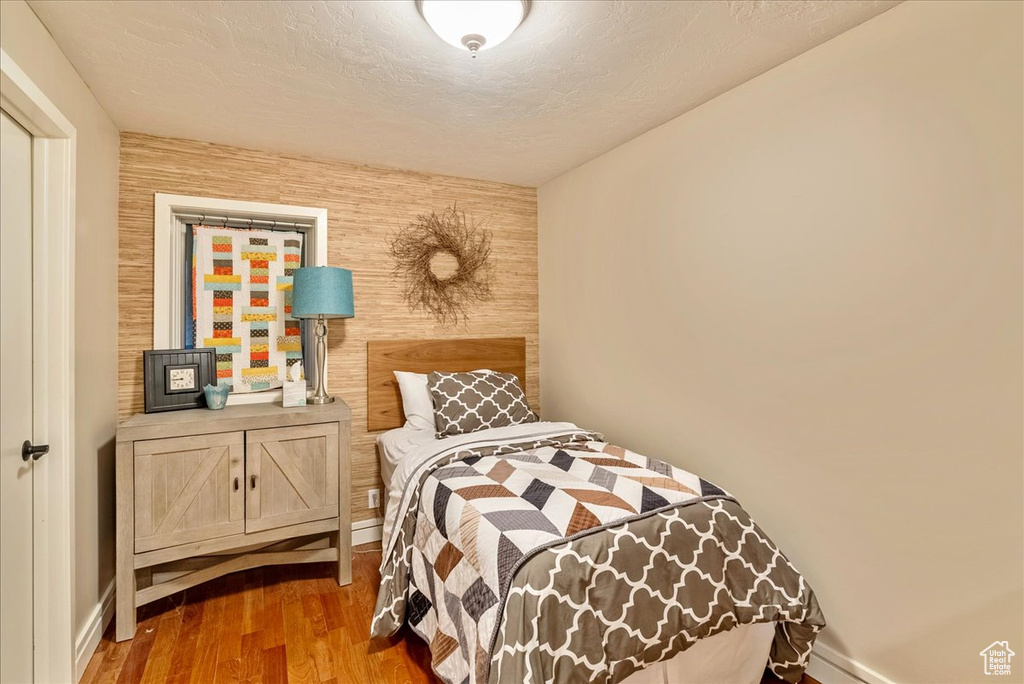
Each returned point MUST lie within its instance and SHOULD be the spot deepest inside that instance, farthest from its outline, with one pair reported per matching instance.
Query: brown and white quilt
(551, 556)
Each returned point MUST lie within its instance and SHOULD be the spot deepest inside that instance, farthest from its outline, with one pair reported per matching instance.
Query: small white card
(293, 393)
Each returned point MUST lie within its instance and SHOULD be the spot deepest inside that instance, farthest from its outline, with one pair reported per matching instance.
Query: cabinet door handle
(236, 484)
(252, 482)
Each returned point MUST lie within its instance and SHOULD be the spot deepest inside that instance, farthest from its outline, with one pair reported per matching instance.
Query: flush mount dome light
(473, 25)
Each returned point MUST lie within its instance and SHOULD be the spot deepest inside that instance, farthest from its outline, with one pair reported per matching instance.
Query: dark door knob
(35, 452)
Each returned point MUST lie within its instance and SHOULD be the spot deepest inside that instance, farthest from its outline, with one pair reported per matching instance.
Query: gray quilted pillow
(467, 402)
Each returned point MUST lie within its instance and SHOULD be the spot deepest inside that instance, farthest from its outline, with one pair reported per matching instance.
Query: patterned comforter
(555, 557)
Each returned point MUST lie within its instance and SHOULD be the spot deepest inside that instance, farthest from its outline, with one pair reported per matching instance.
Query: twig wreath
(444, 260)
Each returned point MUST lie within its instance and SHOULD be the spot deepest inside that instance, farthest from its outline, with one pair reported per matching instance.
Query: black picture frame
(157, 366)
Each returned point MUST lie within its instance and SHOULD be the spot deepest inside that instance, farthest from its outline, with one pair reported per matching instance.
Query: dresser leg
(344, 547)
(344, 535)
(125, 513)
(125, 603)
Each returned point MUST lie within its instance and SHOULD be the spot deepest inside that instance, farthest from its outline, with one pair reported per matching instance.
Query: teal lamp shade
(322, 291)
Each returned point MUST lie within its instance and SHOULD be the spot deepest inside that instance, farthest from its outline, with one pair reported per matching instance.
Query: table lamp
(322, 292)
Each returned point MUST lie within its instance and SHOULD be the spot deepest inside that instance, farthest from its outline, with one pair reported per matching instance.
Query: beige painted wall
(29, 44)
(364, 206)
(810, 291)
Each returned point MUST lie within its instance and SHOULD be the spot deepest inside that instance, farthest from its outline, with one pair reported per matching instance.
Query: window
(205, 234)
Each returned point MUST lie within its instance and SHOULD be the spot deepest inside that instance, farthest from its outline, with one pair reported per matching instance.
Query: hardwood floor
(275, 625)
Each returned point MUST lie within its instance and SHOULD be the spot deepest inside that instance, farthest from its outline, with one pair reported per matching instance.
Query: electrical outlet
(373, 498)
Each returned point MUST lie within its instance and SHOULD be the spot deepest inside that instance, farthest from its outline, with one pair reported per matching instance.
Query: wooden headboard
(384, 401)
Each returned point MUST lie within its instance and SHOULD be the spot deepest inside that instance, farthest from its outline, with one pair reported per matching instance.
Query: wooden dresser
(204, 493)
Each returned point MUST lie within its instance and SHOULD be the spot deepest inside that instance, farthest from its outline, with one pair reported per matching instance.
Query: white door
(16, 615)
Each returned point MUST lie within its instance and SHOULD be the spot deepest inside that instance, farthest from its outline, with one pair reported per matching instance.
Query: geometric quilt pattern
(469, 402)
(488, 516)
(242, 291)
(684, 574)
(484, 516)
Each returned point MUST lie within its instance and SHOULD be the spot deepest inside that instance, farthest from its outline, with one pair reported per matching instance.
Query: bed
(534, 551)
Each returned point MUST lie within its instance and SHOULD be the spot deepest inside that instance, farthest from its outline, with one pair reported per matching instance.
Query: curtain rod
(242, 222)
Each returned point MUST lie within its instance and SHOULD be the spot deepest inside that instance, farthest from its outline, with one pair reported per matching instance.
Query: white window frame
(53, 368)
(169, 254)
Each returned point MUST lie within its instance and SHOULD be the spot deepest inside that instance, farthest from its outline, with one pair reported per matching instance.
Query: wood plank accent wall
(365, 205)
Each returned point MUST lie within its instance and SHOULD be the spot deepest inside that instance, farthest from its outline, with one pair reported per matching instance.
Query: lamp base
(320, 395)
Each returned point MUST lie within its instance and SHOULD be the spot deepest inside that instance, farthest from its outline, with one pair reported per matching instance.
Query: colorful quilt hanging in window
(242, 303)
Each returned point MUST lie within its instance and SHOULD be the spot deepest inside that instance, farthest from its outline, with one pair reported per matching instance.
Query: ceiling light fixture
(473, 25)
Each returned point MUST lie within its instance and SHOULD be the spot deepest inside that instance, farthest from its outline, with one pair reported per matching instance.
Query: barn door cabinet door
(291, 475)
(188, 489)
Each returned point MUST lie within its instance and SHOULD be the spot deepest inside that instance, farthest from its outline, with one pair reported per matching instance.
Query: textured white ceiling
(368, 82)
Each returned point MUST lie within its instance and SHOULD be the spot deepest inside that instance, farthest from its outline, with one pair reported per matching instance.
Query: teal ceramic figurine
(217, 396)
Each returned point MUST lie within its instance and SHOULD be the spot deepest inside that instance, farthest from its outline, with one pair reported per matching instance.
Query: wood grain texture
(230, 565)
(297, 473)
(124, 485)
(365, 205)
(383, 399)
(231, 544)
(272, 625)
(185, 494)
(149, 426)
(201, 494)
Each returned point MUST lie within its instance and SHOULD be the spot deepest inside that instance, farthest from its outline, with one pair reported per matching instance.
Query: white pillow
(416, 400)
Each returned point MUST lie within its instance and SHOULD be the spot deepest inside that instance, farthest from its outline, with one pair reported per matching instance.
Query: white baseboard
(829, 666)
(367, 531)
(89, 636)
